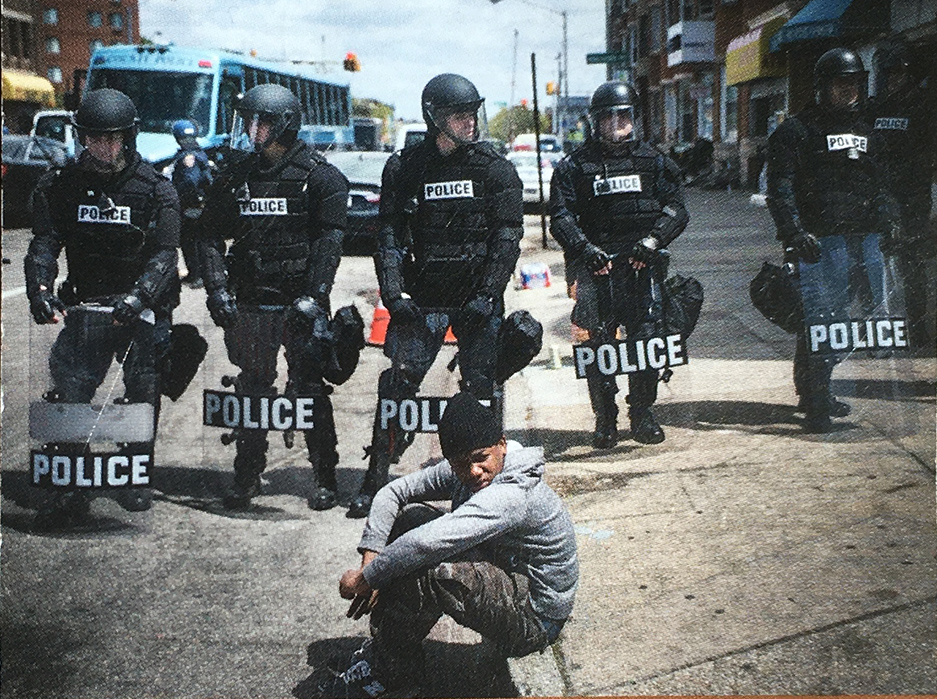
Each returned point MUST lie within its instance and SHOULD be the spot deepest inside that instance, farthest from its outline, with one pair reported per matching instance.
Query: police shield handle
(630, 356)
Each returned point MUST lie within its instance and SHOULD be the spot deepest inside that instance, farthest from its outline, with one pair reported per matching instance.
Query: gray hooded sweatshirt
(516, 521)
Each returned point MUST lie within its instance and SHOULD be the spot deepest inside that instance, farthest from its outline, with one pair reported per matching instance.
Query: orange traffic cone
(449, 339)
(379, 324)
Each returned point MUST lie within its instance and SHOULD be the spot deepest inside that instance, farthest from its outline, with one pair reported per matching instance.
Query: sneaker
(240, 496)
(644, 428)
(322, 499)
(356, 682)
(360, 506)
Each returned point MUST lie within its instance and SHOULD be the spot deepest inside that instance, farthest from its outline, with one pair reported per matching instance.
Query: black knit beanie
(467, 425)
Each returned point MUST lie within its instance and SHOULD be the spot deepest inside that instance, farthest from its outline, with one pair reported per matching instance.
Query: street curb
(537, 675)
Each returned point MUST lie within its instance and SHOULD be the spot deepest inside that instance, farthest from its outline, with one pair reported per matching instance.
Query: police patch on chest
(448, 190)
(892, 123)
(847, 141)
(264, 206)
(616, 185)
(88, 213)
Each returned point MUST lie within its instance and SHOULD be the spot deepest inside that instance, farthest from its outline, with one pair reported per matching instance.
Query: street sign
(593, 58)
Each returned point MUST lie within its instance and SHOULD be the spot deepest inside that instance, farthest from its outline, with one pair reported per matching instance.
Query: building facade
(24, 88)
(69, 31)
(729, 71)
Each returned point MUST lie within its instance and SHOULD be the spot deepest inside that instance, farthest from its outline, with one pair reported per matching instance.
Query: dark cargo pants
(475, 592)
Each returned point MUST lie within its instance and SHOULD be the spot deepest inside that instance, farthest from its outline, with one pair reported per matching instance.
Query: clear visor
(251, 132)
(846, 91)
(463, 124)
(614, 124)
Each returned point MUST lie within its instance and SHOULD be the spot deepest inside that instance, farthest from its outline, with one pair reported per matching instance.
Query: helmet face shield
(614, 125)
(463, 123)
(252, 132)
(844, 92)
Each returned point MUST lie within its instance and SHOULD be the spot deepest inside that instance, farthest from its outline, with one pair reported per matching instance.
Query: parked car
(25, 160)
(526, 164)
(328, 138)
(408, 134)
(528, 142)
(363, 170)
(57, 124)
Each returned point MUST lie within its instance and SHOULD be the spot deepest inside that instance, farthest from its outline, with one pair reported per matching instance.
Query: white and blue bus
(169, 82)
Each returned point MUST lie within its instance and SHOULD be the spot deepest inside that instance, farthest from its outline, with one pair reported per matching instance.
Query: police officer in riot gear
(118, 222)
(285, 208)
(452, 212)
(191, 176)
(834, 216)
(615, 204)
(903, 138)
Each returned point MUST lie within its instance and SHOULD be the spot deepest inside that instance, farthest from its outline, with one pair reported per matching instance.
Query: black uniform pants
(624, 297)
(253, 343)
(412, 348)
(473, 591)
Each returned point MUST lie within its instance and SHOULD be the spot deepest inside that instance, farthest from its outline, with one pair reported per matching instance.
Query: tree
(507, 123)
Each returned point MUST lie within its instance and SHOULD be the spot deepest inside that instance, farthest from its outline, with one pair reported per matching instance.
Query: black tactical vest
(618, 197)
(270, 254)
(836, 175)
(448, 204)
(898, 135)
(104, 226)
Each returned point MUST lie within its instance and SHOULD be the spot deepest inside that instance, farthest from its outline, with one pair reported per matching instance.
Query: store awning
(829, 19)
(748, 56)
(27, 87)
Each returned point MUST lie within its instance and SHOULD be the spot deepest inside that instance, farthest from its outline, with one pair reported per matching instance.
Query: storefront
(23, 95)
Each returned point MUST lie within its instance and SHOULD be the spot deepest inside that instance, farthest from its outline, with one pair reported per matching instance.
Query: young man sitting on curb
(502, 563)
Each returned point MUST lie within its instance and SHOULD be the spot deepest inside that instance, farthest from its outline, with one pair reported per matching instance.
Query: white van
(409, 134)
(57, 125)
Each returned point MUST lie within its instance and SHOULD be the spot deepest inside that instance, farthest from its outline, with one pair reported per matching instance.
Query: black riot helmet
(613, 114)
(107, 111)
(840, 81)
(449, 94)
(892, 74)
(264, 115)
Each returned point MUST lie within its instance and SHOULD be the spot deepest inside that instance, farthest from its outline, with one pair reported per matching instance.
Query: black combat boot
(606, 429)
(602, 390)
(644, 428)
(249, 463)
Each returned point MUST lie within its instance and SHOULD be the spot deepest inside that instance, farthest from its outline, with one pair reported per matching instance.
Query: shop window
(730, 113)
(95, 19)
(50, 16)
(52, 45)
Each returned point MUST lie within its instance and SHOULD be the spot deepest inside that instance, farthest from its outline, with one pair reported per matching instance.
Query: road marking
(16, 291)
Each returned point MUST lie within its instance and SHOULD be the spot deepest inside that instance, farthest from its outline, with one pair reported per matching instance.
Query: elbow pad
(673, 222)
(568, 234)
(325, 255)
(160, 271)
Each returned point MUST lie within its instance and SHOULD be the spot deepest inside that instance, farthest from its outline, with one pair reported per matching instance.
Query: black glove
(594, 257)
(127, 309)
(404, 310)
(44, 305)
(645, 250)
(302, 315)
(477, 311)
(805, 247)
(890, 242)
(223, 309)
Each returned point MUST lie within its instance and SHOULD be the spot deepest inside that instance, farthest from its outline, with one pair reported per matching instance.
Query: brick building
(24, 88)
(730, 70)
(70, 30)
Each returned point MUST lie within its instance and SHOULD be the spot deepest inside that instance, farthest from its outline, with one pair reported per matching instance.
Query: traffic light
(551, 88)
(524, 103)
(351, 63)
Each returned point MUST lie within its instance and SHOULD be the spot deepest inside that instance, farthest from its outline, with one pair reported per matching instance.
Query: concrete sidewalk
(741, 556)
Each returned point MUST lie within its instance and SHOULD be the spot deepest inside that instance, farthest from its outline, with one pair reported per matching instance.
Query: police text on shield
(90, 471)
(629, 356)
(861, 334)
(244, 412)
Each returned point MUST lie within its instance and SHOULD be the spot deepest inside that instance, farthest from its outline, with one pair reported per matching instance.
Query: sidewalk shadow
(452, 669)
(32, 645)
(882, 389)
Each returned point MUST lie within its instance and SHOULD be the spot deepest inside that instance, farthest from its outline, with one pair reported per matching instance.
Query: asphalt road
(188, 600)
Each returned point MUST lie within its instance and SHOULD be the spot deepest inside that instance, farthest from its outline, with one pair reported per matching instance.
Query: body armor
(272, 244)
(104, 227)
(618, 194)
(836, 174)
(449, 213)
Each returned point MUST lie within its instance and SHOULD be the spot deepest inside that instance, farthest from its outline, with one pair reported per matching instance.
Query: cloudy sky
(401, 44)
